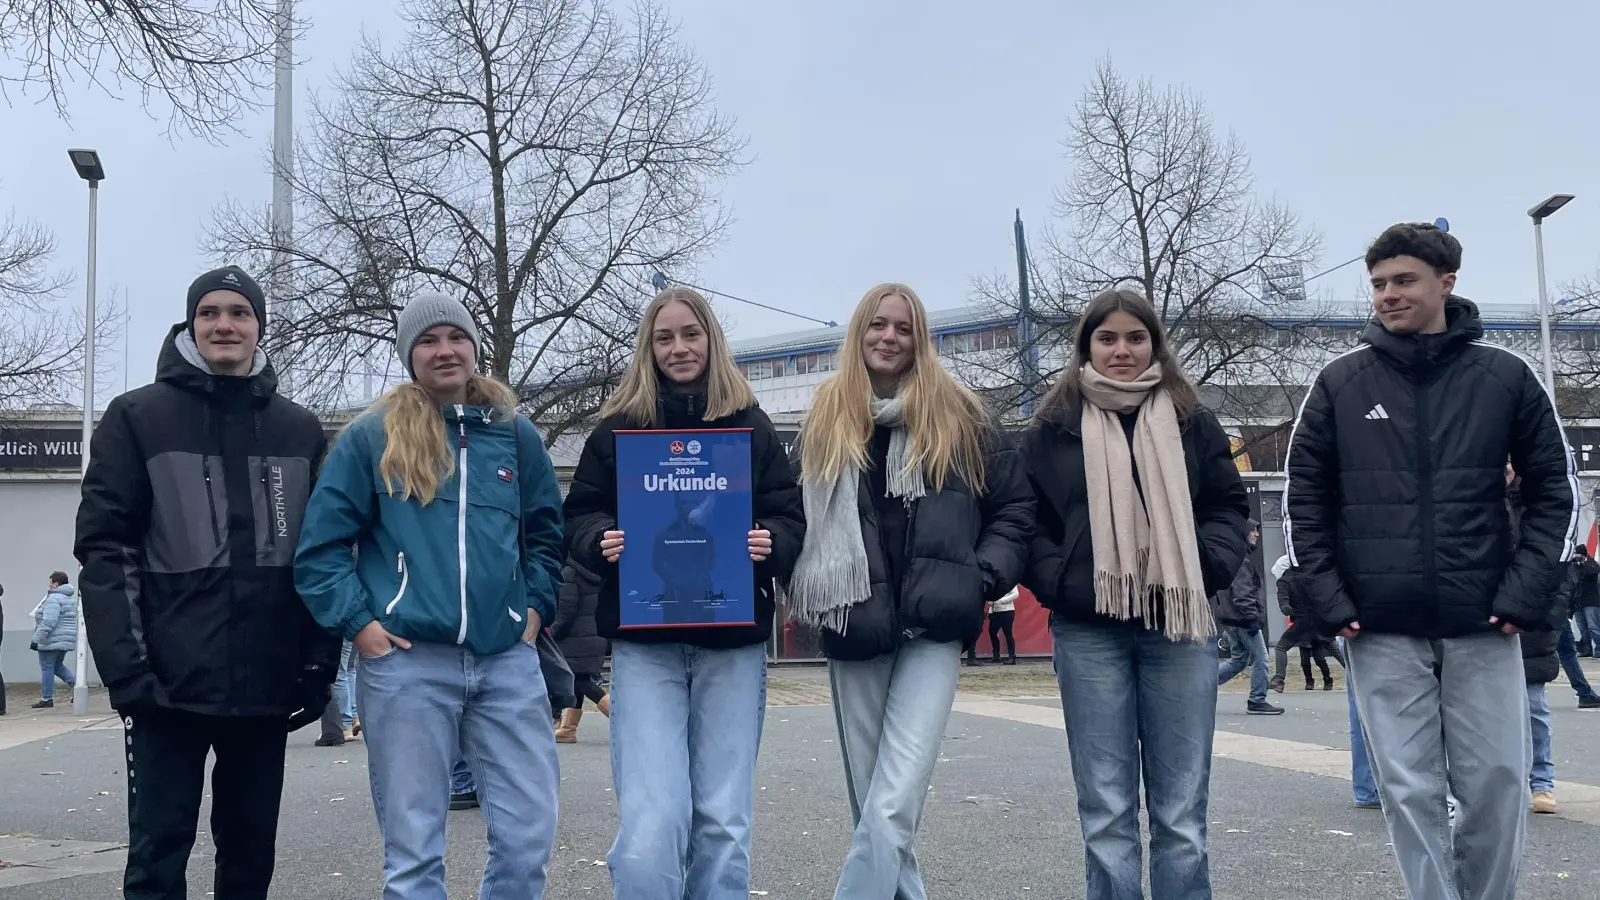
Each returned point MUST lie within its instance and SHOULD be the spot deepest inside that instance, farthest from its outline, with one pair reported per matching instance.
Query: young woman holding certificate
(687, 700)
(1142, 517)
(452, 506)
(919, 512)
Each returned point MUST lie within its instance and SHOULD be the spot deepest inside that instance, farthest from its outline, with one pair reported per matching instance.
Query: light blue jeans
(424, 706)
(52, 667)
(1362, 785)
(1542, 777)
(685, 728)
(1137, 703)
(344, 685)
(1247, 647)
(892, 712)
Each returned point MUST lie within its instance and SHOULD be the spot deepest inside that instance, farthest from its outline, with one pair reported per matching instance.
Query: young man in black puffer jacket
(1398, 522)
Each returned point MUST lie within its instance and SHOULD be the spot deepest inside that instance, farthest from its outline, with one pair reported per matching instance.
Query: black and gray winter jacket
(1396, 486)
(960, 550)
(1240, 604)
(186, 532)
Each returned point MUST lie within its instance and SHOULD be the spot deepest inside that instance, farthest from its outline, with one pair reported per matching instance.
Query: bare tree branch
(205, 61)
(1158, 201)
(538, 158)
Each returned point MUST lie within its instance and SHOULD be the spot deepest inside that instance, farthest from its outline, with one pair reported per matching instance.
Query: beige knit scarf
(1146, 554)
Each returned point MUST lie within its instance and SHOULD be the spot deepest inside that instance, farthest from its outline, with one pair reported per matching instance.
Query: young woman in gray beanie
(687, 703)
(452, 504)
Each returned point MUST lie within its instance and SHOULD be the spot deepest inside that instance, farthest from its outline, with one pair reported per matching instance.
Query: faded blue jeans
(1542, 777)
(423, 707)
(52, 667)
(1363, 785)
(892, 712)
(1246, 647)
(685, 728)
(1138, 704)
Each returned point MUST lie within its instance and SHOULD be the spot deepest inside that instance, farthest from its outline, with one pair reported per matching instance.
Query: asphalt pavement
(1000, 820)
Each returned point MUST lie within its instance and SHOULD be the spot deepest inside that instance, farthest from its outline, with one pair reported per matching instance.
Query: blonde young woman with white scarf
(1141, 517)
(918, 512)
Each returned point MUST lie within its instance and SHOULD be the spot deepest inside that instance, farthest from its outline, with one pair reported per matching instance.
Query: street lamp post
(87, 163)
(1539, 213)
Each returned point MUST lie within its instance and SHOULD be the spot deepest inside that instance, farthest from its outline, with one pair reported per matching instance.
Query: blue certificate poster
(683, 502)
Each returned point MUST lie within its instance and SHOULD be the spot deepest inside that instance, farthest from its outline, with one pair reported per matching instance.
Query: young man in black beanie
(191, 511)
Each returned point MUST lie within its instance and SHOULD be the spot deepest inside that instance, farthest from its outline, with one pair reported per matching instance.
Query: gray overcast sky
(892, 139)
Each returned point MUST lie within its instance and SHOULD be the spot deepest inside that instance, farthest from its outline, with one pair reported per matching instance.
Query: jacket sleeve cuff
(353, 626)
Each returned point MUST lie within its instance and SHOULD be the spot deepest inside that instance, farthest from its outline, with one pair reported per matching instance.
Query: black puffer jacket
(1588, 587)
(1396, 472)
(591, 510)
(1541, 661)
(574, 627)
(191, 510)
(1061, 574)
(962, 551)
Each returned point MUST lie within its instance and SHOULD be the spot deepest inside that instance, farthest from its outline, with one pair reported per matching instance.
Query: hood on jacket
(1421, 352)
(181, 365)
(65, 590)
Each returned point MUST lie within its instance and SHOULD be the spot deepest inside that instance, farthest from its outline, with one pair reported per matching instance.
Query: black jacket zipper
(1430, 566)
(909, 634)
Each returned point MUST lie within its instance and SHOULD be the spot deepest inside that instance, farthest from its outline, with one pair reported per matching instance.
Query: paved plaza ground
(1000, 821)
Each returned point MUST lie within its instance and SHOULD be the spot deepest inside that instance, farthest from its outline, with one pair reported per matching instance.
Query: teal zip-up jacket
(450, 572)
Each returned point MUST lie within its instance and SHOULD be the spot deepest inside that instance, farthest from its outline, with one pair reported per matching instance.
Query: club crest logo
(694, 448)
(676, 447)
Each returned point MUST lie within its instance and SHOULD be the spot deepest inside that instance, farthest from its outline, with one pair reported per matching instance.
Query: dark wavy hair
(1064, 402)
(1422, 240)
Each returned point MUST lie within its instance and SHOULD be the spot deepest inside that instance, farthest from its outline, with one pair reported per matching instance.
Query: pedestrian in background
(2, 637)
(191, 507)
(1003, 618)
(1586, 603)
(918, 511)
(1239, 609)
(579, 637)
(450, 501)
(1142, 517)
(55, 633)
(687, 704)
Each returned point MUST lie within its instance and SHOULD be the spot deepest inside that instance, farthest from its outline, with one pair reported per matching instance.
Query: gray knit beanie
(427, 311)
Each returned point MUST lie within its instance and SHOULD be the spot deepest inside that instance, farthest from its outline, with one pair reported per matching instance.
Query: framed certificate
(684, 502)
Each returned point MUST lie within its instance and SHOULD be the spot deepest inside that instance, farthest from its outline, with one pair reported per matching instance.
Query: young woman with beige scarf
(918, 512)
(1141, 517)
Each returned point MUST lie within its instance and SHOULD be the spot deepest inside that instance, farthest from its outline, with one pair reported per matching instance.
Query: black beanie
(227, 278)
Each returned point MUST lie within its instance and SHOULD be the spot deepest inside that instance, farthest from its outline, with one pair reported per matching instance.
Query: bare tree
(539, 158)
(41, 346)
(1158, 201)
(205, 61)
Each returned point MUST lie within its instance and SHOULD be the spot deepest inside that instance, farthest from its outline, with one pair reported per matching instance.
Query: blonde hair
(417, 455)
(946, 422)
(727, 392)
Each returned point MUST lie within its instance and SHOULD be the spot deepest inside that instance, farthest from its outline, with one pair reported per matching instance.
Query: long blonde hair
(946, 422)
(637, 394)
(417, 456)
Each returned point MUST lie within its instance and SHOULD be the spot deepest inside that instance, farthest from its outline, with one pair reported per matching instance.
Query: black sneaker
(1590, 702)
(1263, 708)
(1275, 684)
(468, 800)
(331, 742)
(45, 704)
(1010, 661)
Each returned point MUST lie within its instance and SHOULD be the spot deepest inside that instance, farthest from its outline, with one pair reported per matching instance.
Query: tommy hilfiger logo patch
(1378, 412)
(504, 474)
